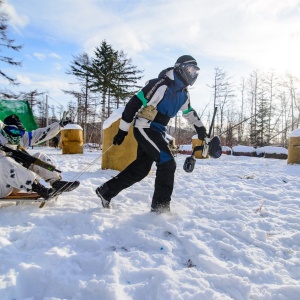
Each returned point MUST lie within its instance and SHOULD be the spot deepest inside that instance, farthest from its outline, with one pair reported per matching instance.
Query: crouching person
(14, 176)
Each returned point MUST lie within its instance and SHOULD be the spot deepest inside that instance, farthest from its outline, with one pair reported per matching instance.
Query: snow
(234, 233)
(271, 150)
(72, 126)
(226, 148)
(115, 116)
(91, 145)
(244, 149)
(185, 147)
(295, 133)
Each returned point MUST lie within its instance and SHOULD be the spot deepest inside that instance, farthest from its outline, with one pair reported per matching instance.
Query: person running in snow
(151, 108)
(14, 176)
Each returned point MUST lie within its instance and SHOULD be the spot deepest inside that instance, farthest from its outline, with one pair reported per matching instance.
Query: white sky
(238, 36)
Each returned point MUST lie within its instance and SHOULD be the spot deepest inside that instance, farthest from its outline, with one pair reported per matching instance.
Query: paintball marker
(26, 160)
(190, 161)
(207, 139)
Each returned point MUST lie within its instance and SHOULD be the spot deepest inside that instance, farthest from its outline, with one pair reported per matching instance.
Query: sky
(236, 36)
(232, 234)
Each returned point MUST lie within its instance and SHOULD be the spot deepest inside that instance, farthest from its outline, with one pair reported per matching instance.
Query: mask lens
(15, 130)
(192, 70)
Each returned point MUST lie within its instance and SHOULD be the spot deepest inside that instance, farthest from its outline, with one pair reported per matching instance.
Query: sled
(23, 197)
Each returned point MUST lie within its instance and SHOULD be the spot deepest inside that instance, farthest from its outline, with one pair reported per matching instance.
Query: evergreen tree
(102, 73)
(253, 92)
(79, 67)
(6, 44)
(113, 76)
(262, 119)
(126, 78)
(108, 74)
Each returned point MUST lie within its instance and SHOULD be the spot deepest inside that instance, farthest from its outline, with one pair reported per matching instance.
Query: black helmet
(13, 126)
(186, 67)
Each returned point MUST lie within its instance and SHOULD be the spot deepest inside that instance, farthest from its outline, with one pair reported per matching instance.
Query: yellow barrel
(294, 147)
(72, 139)
(118, 157)
(197, 142)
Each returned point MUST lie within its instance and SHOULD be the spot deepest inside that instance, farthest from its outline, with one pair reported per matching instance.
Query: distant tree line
(259, 110)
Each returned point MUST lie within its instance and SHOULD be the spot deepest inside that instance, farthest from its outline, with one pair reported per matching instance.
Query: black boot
(161, 206)
(65, 186)
(42, 190)
(100, 191)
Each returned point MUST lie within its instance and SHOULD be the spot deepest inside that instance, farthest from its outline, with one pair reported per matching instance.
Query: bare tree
(253, 87)
(222, 95)
(290, 85)
(241, 125)
(79, 67)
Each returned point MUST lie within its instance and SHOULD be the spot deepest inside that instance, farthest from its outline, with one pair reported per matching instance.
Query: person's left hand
(65, 120)
(119, 137)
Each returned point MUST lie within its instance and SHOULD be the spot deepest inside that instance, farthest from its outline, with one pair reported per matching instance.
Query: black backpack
(215, 147)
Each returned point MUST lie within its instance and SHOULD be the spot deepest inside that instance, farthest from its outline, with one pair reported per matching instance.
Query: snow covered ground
(234, 233)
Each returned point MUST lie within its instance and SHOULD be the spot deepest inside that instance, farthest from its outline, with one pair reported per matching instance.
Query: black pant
(151, 147)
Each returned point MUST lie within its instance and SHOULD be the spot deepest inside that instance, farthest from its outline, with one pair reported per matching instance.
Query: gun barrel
(26, 159)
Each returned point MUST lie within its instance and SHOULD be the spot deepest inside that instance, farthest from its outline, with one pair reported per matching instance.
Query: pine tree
(7, 44)
(253, 92)
(126, 78)
(113, 76)
(108, 74)
(79, 67)
(262, 118)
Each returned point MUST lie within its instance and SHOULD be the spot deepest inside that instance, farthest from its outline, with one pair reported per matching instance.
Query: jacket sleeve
(149, 93)
(133, 106)
(190, 114)
(129, 112)
(40, 135)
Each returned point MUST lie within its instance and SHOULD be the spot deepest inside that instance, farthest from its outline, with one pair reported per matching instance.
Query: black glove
(119, 137)
(65, 120)
(201, 131)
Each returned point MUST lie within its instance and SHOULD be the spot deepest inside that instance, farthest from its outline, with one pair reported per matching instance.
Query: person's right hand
(119, 137)
(65, 120)
(201, 133)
